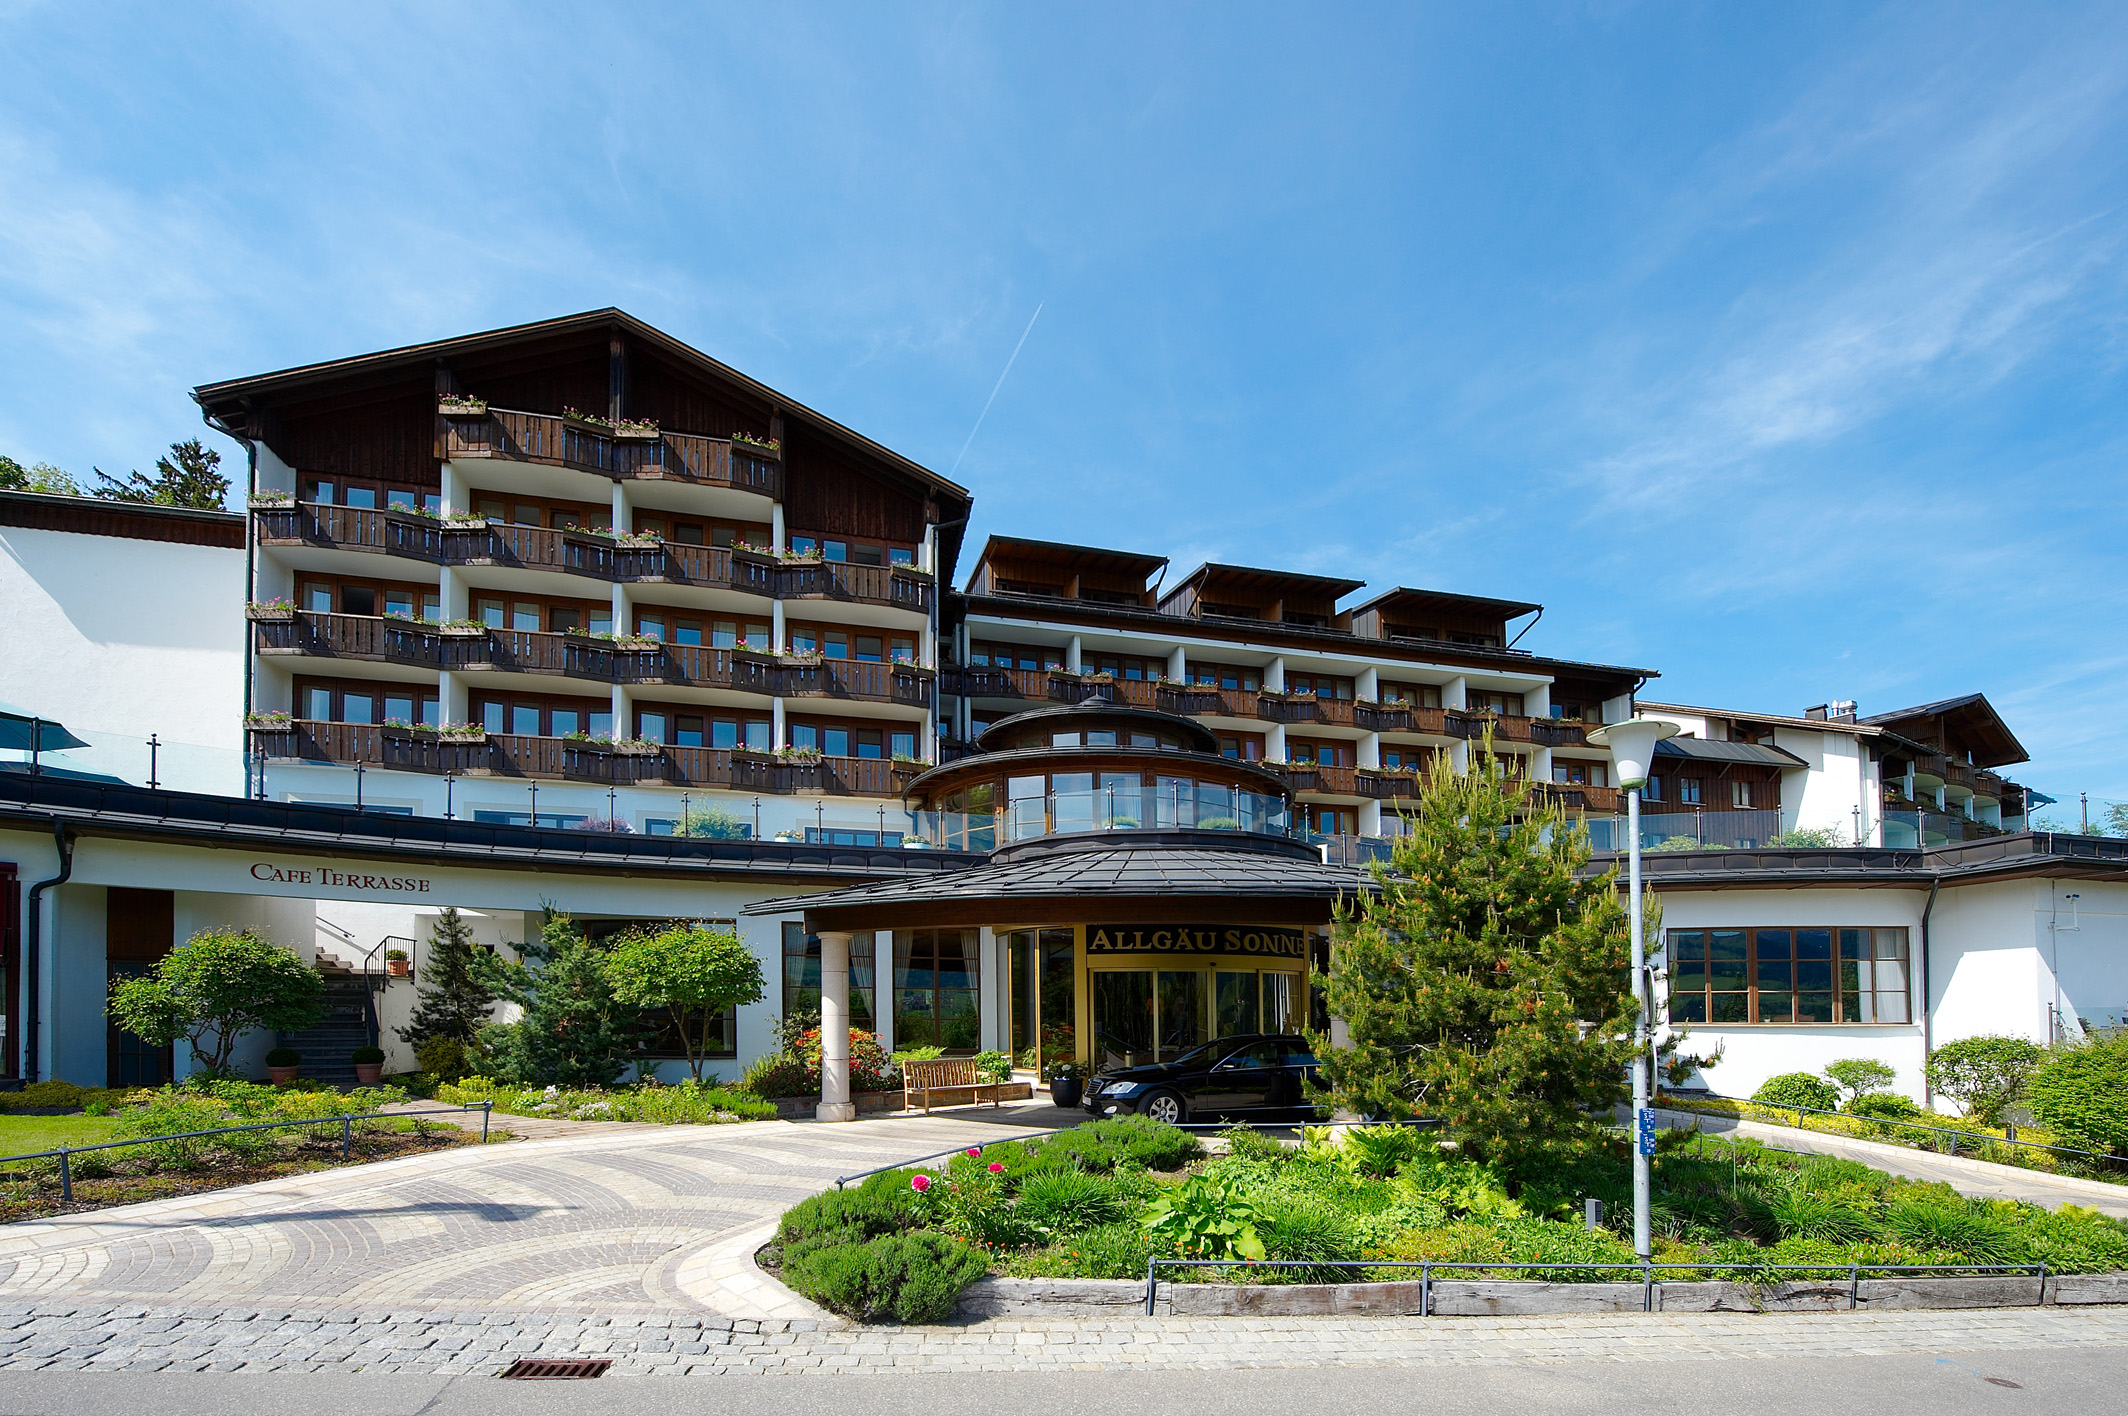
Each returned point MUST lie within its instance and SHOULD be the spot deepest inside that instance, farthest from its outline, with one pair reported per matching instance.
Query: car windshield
(1204, 1056)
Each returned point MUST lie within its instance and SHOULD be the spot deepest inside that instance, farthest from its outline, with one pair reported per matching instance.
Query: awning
(21, 732)
(1701, 750)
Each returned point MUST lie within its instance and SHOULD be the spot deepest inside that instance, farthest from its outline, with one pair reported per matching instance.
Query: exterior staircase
(327, 1046)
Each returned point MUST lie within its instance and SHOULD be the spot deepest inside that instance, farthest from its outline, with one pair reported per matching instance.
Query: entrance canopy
(1152, 876)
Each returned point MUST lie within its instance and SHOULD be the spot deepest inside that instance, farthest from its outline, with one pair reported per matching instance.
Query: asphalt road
(1955, 1384)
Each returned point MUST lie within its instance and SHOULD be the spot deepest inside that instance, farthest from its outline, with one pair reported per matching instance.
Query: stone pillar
(989, 992)
(883, 987)
(835, 1103)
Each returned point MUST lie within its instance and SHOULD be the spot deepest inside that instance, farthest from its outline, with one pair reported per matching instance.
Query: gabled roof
(219, 398)
(1424, 601)
(1062, 553)
(1702, 750)
(1329, 587)
(1973, 719)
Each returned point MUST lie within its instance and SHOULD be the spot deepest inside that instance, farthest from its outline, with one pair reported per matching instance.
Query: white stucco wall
(119, 639)
(1753, 1053)
(2008, 953)
(1837, 782)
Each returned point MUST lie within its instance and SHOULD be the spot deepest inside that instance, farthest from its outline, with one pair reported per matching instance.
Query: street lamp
(1632, 745)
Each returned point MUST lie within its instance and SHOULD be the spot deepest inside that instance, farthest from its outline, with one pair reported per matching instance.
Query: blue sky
(1778, 348)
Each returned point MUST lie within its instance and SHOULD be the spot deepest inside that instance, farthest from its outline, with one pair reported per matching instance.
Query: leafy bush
(2081, 1092)
(1798, 1089)
(447, 1059)
(1102, 1146)
(1203, 1219)
(993, 1066)
(214, 988)
(1985, 1075)
(366, 1056)
(1248, 1143)
(169, 1113)
(284, 1057)
(1885, 1106)
(909, 1278)
(1067, 1201)
(780, 1074)
(1380, 1151)
(684, 1104)
(1861, 1076)
(39, 1095)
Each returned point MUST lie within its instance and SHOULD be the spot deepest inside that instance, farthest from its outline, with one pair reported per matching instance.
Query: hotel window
(1242, 747)
(317, 599)
(1412, 695)
(728, 733)
(801, 976)
(650, 626)
(1232, 676)
(364, 703)
(1124, 666)
(1014, 656)
(871, 649)
(1580, 774)
(1740, 795)
(687, 631)
(1330, 820)
(1320, 754)
(1508, 705)
(1403, 759)
(409, 708)
(900, 555)
(1833, 975)
(934, 989)
(1653, 791)
(357, 600)
(521, 718)
(902, 650)
(1578, 712)
(1688, 791)
(1320, 685)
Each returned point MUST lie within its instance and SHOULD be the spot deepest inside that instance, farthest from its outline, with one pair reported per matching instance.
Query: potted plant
(460, 405)
(748, 440)
(369, 1065)
(282, 1064)
(396, 963)
(638, 429)
(269, 500)
(271, 611)
(274, 719)
(586, 420)
(1067, 1083)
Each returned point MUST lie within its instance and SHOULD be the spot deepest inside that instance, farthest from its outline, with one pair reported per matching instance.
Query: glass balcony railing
(1202, 806)
(1688, 830)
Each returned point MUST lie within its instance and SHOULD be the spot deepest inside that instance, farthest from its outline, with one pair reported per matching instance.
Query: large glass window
(801, 975)
(934, 989)
(1808, 975)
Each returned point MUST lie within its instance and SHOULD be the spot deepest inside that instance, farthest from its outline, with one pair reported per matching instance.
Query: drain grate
(556, 1369)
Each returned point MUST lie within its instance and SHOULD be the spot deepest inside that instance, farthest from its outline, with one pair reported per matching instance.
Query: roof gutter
(1530, 626)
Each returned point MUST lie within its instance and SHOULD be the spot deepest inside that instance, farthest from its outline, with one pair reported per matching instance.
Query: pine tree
(1488, 983)
(574, 1031)
(185, 478)
(456, 991)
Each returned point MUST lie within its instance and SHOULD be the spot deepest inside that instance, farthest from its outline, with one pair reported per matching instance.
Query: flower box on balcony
(460, 733)
(270, 612)
(462, 629)
(635, 431)
(462, 407)
(766, 447)
(268, 722)
(589, 422)
(271, 501)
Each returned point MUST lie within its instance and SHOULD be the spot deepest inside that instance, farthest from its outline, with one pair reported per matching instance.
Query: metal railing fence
(347, 1136)
(1647, 1272)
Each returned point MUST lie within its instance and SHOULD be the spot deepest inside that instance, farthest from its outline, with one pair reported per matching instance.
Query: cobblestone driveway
(617, 1221)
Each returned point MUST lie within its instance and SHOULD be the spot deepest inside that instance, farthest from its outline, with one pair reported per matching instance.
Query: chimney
(1816, 711)
(1843, 710)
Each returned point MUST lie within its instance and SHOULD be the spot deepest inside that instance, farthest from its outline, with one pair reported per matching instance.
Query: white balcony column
(1274, 680)
(623, 509)
(778, 634)
(991, 958)
(835, 1103)
(776, 731)
(1537, 701)
(883, 987)
(1072, 657)
(927, 554)
(1275, 742)
(452, 700)
(457, 595)
(275, 475)
(1370, 751)
(778, 540)
(1456, 693)
(1178, 665)
(1370, 818)
(272, 579)
(452, 490)
(1541, 764)
(1367, 685)
(1619, 709)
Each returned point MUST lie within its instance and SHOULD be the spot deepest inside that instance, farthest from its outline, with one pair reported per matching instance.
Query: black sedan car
(1254, 1078)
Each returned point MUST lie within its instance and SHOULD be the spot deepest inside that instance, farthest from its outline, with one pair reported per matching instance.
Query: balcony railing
(560, 442)
(571, 759)
(566, 552)
(905, 684)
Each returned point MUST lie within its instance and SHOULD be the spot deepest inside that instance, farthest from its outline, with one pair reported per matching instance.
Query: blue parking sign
(1644, 1131)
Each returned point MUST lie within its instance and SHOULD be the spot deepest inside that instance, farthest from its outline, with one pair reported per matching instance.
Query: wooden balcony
(1386, 785)
(905, 684)
(568, 759)
(377, 639)
(564, 552)
(1596, 801)
(1332, 781)
(1557, 732)
(554, 441)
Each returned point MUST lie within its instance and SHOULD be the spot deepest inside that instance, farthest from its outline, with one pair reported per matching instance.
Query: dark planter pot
(1066, 1091)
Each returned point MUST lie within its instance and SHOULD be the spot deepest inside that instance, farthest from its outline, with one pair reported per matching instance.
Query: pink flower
(920, 1184)
(975, 1150)
(996, 1168)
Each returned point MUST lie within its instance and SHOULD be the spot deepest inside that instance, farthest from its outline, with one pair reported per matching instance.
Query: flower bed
(684, 1104)
(1100, 1201)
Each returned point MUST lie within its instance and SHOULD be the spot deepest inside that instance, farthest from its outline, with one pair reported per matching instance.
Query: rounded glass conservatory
(1094, 767)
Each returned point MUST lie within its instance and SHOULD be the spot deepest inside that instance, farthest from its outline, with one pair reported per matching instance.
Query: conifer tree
(456, 990)
(1487, 984)
(575, 1031)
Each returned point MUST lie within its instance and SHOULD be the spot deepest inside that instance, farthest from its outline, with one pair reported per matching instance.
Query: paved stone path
(1968, 1176)
(623, 1219)
(103, 1338)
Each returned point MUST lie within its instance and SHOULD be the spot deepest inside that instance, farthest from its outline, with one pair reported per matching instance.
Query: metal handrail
(347, 1135)
(842, 1180)
(1800, 1111)
(1646, 1270)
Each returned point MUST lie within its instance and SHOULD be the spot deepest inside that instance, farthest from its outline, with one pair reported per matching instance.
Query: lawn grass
(23, 1135)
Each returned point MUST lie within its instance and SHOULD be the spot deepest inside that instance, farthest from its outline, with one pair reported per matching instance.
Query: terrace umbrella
(22, 733)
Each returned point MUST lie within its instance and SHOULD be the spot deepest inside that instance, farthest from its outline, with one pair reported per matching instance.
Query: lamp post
(1632, 745)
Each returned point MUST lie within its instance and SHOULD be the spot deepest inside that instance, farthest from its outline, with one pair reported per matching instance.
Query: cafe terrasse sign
(1186, 939)
(333, 875)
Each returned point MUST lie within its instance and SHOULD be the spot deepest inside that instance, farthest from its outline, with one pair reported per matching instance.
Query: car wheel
(1163, 1106)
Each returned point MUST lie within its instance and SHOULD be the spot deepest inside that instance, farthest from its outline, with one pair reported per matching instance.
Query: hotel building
(574, 614)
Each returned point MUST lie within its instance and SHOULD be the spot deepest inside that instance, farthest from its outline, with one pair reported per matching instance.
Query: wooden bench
(951, 1081)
